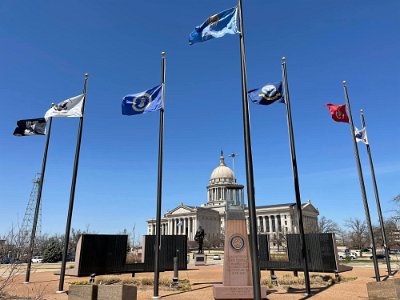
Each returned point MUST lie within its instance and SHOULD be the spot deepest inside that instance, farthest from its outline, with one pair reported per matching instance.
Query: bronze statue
(199, 237)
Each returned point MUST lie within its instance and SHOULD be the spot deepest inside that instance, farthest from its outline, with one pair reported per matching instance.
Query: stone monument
(199, 258)
(237, 281)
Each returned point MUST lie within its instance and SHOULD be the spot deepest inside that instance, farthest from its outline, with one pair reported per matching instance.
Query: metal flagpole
(72, 193)
(255, 268)
(159, 182)
(296, 179)
(362, 186)
(378, 203)
(37, 207)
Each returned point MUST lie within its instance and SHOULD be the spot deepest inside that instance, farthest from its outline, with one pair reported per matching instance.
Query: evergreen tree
(53, 252)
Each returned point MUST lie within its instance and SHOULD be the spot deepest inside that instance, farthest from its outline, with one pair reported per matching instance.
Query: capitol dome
(222, 173)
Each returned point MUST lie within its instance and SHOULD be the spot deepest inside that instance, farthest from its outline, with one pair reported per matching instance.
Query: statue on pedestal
(199, 237)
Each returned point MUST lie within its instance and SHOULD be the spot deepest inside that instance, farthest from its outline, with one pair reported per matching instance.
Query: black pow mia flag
(30, 127)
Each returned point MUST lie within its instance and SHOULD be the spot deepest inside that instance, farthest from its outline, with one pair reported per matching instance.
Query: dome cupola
(222, 174)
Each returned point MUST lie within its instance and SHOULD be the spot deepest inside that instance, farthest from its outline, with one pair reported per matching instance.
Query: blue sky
(47, 46)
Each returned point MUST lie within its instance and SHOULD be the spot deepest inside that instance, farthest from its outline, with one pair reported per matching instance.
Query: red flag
(338, 112)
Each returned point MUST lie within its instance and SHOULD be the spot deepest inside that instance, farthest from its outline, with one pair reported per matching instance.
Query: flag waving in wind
(361, 135)
(338, 112)
(30, 127)
(216, 26)
(143, 102)
(71, 108)
(268, 94)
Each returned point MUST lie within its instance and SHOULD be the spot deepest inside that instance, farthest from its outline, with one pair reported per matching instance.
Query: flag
(338, 112)
(361, 135)
(71, 107)
(30, 127)
(268, 94)
(143, 102)
(216, 26)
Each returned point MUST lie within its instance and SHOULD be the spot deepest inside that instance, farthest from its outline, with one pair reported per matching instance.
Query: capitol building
(222, 186)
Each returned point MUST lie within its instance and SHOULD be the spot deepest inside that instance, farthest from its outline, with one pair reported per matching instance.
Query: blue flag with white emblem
(143, 102)
(216, 26)
(268, 94)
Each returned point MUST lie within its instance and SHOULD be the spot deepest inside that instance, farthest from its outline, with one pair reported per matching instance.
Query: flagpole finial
(283, 59)
(361, 111)
(52, 104)
(163, 54)
(344, 82)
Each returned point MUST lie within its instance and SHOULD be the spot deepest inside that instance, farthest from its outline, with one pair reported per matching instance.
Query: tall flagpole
(159, 182)
(362, 186)
(72, 193)
(378, 203)
(37, 207)
(255, 268)
(296, 179)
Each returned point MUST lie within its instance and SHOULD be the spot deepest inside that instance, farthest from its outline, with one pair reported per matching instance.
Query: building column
(181, 227)
(174, 227)
(191, 229)
(270, 224)
(264, 224)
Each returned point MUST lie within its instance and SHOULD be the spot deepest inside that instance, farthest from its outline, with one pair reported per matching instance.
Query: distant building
(271, 219)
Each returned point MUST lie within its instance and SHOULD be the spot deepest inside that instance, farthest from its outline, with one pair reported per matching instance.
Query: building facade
(222, 188)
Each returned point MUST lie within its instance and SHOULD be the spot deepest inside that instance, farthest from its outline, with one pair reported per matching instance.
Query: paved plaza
(202, 278)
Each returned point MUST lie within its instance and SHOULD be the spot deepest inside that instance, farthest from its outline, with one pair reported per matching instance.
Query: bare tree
(326, 225)
(12, 249)
(392, 234)
(358, 233)
(396, 200)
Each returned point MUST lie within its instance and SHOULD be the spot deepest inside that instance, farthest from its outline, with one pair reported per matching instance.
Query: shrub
(108, 280)
(147, 281)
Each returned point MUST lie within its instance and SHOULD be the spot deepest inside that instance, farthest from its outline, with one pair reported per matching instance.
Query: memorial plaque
(199, 259)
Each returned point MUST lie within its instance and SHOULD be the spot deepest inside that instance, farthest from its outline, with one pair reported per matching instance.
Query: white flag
(71, 107)
(361, 135)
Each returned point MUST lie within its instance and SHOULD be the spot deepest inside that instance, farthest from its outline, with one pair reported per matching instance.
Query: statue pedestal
(200, 259)
(237, 282)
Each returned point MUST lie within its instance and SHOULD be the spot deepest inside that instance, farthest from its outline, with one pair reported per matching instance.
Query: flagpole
(37, 207)
(378, 203)
(159, 182)
(72, 193)
(296, 179)
(362, 186)
(249, 168)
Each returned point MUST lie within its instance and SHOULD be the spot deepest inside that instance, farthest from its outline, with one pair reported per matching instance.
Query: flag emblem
(268, 94)
(213, 20)
(338, 112)
(143, 102)
(140, 103)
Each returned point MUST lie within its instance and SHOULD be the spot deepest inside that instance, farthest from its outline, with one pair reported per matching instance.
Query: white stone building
(271, 219)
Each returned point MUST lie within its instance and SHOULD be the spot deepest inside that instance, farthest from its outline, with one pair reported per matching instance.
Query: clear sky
(47, 46)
